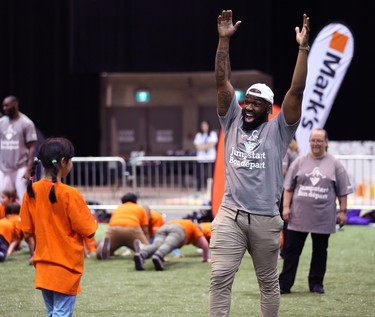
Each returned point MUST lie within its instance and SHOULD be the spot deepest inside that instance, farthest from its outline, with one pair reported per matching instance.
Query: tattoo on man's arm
(224, 99)
(221, 65)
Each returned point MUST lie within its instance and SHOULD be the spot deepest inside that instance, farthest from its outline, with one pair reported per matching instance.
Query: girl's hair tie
(54, 162)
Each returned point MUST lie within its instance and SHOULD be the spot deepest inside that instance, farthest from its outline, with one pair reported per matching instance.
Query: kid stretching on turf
(9, 233)
(58, 217)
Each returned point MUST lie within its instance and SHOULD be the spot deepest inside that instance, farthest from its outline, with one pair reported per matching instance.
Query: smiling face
(318, 143)
(255, 112)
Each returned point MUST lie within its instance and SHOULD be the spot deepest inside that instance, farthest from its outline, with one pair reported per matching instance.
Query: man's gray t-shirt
(14, 134)
(316, 183)
(253, 162)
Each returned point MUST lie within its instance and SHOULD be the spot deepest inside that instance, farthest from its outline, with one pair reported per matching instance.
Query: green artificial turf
(114, 288)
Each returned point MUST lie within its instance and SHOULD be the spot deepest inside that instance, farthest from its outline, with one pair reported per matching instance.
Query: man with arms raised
(248, 218)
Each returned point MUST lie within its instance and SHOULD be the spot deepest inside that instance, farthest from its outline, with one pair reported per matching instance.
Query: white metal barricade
(101, 180)
(361, 170)
(169, 183)
(163, 183)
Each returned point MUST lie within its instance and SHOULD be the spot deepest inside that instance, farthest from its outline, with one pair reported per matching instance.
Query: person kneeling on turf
(174, 234)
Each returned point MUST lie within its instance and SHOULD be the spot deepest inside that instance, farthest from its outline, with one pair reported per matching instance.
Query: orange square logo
(338, 41)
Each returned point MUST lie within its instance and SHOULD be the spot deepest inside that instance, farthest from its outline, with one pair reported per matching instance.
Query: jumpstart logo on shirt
(314, 191)
(6, 142)
(248, 159)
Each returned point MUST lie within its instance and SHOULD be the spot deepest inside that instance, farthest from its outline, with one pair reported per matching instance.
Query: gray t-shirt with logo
(253, 162)
(14, 134)
(316, 183)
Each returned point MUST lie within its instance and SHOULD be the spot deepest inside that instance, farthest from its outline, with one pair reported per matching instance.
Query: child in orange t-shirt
(58, 217)
(10, 235)
(16, 235)
(155, 221)
(9, 197)
(128, 222)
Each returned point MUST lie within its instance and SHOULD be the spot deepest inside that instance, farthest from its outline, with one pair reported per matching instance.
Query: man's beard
(248, 126)
(10, 112)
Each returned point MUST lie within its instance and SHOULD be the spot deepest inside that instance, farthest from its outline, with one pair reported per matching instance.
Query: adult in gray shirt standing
(18, 139)
(313, 184)
(248, 218)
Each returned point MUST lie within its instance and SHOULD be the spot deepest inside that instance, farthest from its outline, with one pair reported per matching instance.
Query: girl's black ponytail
(30, 190)
(52, 193)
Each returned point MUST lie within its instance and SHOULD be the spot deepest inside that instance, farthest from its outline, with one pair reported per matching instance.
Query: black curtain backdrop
(53, 52)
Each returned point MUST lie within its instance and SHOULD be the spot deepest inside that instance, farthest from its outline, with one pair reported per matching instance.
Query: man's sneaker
(317, 289)
(158, 263)
(139, 262)
(137, 244)
(104, 253)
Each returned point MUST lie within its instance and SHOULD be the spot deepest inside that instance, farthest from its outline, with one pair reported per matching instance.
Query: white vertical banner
(329, 58)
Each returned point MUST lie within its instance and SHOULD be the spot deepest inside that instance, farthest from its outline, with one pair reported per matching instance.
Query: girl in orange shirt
(59, 219)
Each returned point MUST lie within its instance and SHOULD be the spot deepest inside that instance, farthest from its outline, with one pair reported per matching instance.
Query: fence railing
(171, 182)
(361, 170)
(166, 182)
(101, 180)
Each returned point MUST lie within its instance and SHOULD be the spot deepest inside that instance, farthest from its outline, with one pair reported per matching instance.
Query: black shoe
(317, 289)
(139, 262)
(158, 263)
(284, 291)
